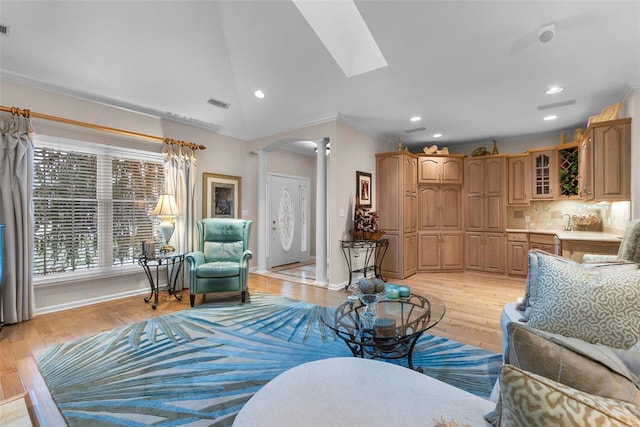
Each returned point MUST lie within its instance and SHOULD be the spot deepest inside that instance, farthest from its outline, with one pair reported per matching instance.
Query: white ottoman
(352, 391)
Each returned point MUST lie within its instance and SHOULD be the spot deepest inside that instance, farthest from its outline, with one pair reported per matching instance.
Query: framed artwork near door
(221, 196)
(363, 189)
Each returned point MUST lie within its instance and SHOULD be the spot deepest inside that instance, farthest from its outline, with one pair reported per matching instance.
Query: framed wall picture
(221, 196)
(363, 189)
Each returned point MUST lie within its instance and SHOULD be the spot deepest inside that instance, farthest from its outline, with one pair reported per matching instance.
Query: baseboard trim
(90, 301)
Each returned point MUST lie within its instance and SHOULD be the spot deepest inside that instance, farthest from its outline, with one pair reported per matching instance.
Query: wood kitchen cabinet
(519, 167)
(396, 186)
(517, 254)
(485, 193)
(440, 238)
(441, 169)
(439, 207)
(544, 174)
(546, 242)
(575, 249)
(485, 252)
(605, 161)
(438, 251)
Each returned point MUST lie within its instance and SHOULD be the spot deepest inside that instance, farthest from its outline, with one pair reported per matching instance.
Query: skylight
(344, 33)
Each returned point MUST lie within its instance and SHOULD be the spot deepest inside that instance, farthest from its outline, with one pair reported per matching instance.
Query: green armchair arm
(244, 267)
(194, 259)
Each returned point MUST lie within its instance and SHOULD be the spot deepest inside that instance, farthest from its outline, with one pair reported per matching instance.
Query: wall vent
(4, 30)
(557, 104)
(414, 130)
(218, 103)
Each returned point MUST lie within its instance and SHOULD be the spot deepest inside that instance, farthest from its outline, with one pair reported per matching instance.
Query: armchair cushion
(223, 251)
(218, 269)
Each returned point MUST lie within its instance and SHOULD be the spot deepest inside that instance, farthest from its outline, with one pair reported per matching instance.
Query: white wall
(631, 108)
(353, 150)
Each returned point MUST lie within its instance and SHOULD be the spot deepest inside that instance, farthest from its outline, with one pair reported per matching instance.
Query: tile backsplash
(552, 215)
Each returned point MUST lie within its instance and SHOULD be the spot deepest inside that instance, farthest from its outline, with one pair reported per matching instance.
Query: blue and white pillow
(600, 307)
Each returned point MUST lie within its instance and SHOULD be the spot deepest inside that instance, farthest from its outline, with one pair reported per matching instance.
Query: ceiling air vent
(557, 104)
(218, 103)
(414, 130)
(4, 30)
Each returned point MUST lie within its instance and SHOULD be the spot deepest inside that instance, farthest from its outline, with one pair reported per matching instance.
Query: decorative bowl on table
(369, 291)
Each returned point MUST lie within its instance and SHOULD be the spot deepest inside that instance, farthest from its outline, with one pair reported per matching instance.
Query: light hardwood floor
(473, 301)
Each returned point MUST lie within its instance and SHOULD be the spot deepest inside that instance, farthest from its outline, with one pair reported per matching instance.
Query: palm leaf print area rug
(200, 366)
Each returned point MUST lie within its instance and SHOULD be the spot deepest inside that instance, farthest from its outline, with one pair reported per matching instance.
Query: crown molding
(104, 100)
(296, 126)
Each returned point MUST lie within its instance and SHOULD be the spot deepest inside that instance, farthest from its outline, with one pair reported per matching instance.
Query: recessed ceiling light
(415, 118)
(259, 94)
(437, 135)
(553, 90)
(551, 117)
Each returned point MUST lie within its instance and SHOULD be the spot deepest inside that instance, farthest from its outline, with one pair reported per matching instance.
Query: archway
(317, 148)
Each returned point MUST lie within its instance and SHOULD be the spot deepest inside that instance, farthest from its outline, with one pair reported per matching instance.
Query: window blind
(92, 204)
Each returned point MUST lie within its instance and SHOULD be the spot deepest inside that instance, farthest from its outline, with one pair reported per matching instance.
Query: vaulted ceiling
(472, 70)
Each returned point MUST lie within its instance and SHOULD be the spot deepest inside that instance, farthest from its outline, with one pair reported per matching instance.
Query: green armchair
(222, 263)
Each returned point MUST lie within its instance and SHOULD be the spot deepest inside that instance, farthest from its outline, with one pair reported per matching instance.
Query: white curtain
(16, 212)
(180, 180)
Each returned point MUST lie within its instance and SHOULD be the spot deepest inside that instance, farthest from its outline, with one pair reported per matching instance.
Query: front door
(288, 219)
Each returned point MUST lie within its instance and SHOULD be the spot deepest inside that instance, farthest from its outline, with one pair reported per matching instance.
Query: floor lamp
(167, 210)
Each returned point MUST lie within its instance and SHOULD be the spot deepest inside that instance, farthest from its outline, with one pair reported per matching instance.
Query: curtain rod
(27, 113)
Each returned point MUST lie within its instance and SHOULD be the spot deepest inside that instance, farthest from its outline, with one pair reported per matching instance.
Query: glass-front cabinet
(544, 171)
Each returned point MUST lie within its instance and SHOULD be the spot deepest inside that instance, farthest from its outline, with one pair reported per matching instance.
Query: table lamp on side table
(167, 210)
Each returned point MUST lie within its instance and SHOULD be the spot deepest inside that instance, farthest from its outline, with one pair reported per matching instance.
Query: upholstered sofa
(350, 391)
(574, 343)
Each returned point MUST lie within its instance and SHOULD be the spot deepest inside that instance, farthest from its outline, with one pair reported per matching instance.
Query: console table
(371, 250)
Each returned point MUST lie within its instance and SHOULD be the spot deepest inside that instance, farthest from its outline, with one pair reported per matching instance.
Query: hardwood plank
(473, 300)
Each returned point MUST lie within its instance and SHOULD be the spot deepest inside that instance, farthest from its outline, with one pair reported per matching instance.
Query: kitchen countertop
(593, 236)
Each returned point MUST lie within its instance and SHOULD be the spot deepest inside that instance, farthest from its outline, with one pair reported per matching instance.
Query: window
(92, 205)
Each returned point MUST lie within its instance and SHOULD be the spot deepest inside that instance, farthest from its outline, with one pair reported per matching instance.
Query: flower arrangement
(365, 225)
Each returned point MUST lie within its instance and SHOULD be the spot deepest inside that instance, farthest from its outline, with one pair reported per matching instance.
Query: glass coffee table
(390, 331)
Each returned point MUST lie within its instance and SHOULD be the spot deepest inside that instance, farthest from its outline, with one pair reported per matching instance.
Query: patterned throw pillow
(600, 308)
(531, 289)
(532, 400)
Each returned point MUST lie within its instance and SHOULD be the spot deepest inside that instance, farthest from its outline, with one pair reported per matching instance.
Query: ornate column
(321, 213)
(262, 211)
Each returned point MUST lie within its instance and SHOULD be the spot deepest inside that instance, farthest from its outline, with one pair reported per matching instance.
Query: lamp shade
(166, 206)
